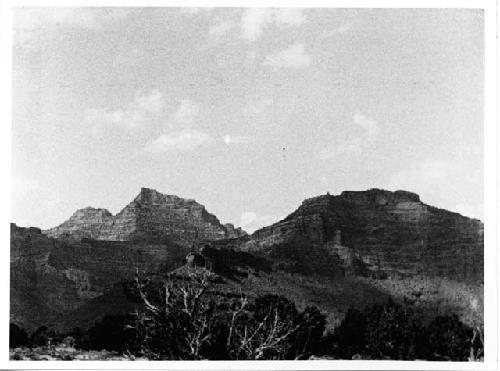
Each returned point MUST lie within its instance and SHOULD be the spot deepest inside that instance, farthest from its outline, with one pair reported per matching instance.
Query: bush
(44, 336)
(17, 336)
(180, 320)
(350, 336)
(308, 339)
(110, 333)
(394, 331)
(450, 339)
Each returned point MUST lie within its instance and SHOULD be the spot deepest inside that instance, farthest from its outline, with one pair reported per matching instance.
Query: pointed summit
(151, 216)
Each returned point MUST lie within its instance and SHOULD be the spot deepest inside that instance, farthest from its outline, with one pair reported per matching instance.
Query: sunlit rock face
(390, 231)
(150, 216)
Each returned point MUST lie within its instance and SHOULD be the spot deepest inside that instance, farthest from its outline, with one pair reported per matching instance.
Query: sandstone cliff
(336, 251)
(150, 216)
(386, 232)
(58, 283)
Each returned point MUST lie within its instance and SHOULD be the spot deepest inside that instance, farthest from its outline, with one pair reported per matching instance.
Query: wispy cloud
(229, 139)
(255, 20)
(291, 57)
(191, 10)
(368, 125)
(437, 182)
(30, 21)
(356, 145)
(220, 29)
(257, 105)
(179, 133)
(427, 174)
(151, 102)
(353, 146)
(144, 108)
(336, 31)
(186, 113)
(250, 221)
(185, 140)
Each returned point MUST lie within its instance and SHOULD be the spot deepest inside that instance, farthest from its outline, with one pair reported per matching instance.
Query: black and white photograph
(250, 183)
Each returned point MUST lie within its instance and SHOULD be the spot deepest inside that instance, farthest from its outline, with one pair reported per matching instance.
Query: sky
(247, 110)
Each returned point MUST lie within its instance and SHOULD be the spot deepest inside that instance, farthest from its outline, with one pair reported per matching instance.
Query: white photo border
(491, 138)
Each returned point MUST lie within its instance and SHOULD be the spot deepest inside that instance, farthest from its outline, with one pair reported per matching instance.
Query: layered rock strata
(390, 231)
(150, 216)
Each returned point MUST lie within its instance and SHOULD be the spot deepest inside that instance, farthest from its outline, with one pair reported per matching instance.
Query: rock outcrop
(73, 274)
(151, 216)
(393, 232)
(64, 284)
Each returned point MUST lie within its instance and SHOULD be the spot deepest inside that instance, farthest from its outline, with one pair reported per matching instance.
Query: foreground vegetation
(184, 318)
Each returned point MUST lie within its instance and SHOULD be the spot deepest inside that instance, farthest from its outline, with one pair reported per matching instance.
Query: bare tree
(180, 320)
(175, 313)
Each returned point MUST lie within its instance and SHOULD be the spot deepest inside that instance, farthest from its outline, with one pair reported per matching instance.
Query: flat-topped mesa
(91, 213)
(150, 216)
(370, 196)
(380, 196)
(395, 229)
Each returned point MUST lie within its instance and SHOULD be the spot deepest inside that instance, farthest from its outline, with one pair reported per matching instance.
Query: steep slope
(151, 216)
(385, 233)
(53, 279)
(353, 249)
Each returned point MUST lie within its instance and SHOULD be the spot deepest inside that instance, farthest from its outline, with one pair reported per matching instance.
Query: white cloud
(144, 108)
(185, 140)
(370, 126)
(186, 113)
(196, 10)
(257, 105)
(291, 57)
(250, 221)
(440, 184)
(30, 21)
(424, 176)
(220, 29)
(254, 20)
(152, 102)
(289, 16)
(336, 31)
(228, 139)
(99, 115)
(353, 146)
(178, 132)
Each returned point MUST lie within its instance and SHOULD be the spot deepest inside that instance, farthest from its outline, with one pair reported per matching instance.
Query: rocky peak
(150, 216)
(233, 232)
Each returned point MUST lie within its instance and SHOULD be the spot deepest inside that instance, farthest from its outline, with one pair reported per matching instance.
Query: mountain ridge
(150, 215)
(375, 240)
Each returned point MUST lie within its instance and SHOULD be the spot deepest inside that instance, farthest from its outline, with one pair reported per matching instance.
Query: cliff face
(73, 274)
(51, 279)
(150, 216)
(386, 232)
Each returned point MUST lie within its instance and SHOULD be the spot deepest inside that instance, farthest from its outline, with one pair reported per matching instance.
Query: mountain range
(333, 251)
